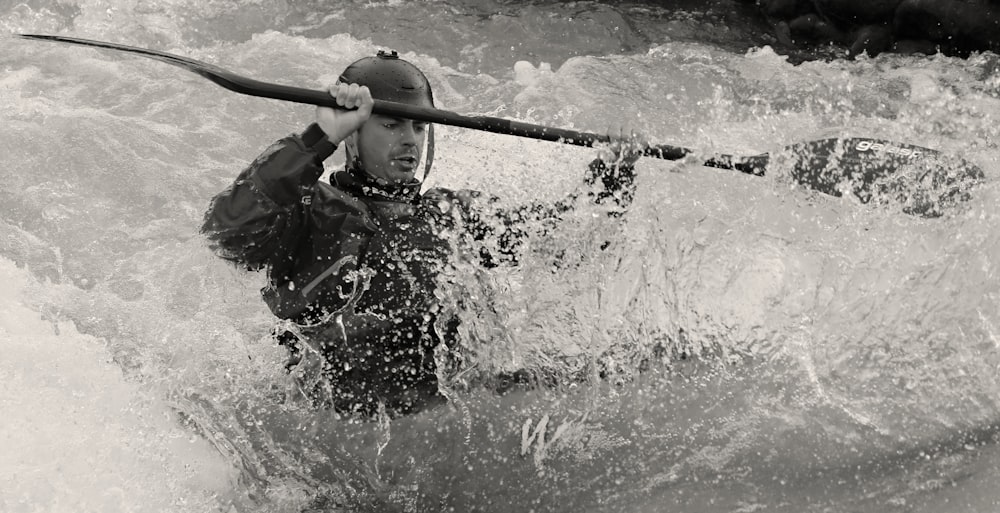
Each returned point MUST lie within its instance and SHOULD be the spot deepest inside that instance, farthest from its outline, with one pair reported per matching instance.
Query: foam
(78, 436)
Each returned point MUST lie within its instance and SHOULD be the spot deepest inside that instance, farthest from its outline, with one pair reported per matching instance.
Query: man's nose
(409, 134)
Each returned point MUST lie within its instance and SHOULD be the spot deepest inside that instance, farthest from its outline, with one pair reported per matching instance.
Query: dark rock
(871, 39)
(822, 29)
(856, 12)
(784, 34)
(785, 9)
(912, 46)
(815, 29)
(953, 27)
(958, 26)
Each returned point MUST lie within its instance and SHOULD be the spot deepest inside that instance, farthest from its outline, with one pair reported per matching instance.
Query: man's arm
(611, 181)
(257, 220)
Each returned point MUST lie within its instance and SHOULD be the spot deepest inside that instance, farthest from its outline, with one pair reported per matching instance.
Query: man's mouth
(408, 161)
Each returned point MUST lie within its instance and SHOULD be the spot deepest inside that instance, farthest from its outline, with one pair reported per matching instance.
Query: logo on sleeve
(878, 147)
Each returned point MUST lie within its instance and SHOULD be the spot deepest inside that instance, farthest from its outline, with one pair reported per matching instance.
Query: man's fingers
(365, 101)
(352, 96)
(625, 144)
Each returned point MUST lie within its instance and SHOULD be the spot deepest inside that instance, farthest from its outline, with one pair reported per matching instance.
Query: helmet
(391, 79)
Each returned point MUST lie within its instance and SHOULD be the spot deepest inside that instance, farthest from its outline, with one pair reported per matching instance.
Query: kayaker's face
(390, 148)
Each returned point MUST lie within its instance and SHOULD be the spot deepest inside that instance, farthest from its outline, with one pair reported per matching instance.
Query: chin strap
(430, 151)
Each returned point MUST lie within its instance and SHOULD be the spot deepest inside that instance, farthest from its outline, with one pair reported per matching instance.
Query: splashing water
(730, 343)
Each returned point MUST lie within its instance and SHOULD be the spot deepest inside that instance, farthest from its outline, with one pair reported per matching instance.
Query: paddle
(923, 180)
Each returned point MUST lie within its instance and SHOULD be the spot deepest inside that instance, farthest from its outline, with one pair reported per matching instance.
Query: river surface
(764, 347)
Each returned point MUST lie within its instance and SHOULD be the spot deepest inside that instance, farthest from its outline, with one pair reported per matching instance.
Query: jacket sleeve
(611, 184)
(257, 221)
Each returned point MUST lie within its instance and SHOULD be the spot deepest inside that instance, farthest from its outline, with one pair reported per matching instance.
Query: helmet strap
(430, 151)
(352, 158)
(351, 147)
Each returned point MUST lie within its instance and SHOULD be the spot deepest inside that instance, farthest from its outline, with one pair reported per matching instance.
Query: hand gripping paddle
(925, 181)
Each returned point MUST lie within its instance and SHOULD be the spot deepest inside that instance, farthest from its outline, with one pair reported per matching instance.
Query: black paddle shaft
(251, 87)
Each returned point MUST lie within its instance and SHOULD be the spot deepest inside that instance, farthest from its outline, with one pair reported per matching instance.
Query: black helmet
(390, 78)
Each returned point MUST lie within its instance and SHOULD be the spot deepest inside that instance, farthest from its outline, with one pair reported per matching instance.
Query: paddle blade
(923, 181)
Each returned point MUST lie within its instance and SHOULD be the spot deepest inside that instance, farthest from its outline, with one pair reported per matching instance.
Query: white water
(79, 436)
(847, 354)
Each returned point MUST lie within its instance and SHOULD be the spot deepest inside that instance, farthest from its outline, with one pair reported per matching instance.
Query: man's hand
(337, 124)
(625, 148)
(614, 170)
(443, 199)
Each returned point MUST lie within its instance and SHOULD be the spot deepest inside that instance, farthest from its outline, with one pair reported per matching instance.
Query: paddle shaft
(251, 87)
(432, 115)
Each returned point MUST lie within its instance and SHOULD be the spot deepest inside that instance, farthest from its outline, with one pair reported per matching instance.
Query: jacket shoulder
(329, 201)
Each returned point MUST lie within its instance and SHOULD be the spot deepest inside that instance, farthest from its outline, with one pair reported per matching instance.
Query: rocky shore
(853, 27)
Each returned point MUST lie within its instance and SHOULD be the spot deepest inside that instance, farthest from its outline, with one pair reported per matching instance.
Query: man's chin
(395, 174)
(403, 176)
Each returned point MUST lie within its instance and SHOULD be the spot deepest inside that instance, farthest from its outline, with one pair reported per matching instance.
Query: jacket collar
(357, 181)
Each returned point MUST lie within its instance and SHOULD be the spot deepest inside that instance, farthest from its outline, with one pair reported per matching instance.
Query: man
(352, 264)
